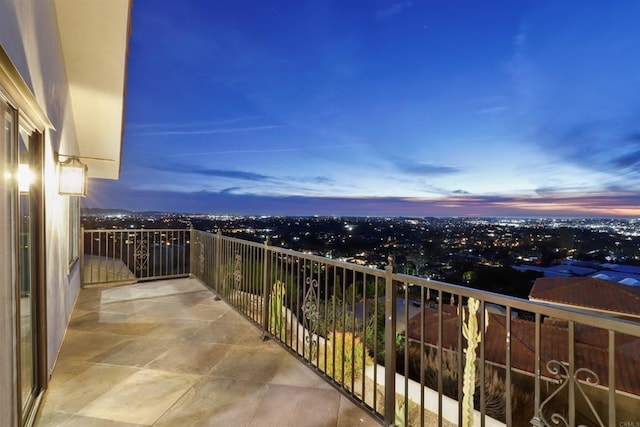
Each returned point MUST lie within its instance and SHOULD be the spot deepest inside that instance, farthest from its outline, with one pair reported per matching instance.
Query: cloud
(627, 161)
(268, 150)
(247, 176)
(595, 146)
(616, 188)
(420, 168)
(230, 190)
(490, 104)
(227, 202)
(208, 131)
(633, 138)
(493, 110)
(460, 192)
(262, 184)
(546, 191)
(388, 12)
(312, 179)
(222, 173)
(630, 160)
(168, 126)
(520, 67)
(561, 190)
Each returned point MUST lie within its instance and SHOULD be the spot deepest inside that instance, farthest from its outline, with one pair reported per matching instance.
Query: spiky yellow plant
(350, 357)
(472, 334)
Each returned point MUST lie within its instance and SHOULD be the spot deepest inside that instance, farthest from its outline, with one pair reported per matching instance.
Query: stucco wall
(29, 34)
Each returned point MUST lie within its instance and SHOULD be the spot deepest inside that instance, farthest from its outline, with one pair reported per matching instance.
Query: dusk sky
(393, 108)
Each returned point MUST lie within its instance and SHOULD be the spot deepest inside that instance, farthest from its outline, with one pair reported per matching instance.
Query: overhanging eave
(95, 36)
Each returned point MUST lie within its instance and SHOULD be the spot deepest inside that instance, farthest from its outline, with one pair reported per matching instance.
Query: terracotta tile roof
(591, 345)
(588, 292)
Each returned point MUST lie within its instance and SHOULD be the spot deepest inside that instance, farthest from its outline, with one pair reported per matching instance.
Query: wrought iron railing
(129, 256)
(412, 351)
(398, 344)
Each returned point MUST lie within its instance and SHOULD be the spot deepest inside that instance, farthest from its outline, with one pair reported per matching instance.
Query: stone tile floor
(165, 353)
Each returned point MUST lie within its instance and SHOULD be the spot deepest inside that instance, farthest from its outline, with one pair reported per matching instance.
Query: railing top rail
(132, 230)
(328, 261)
(565, 313)
(335, 263)
(233, 239)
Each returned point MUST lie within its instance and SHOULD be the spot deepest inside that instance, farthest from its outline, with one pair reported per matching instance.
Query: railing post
(217, 263)
(572, 374)
(612, 378)
(390, 305)
(81, 254)
(266, 276)
(191, 252)
(536, 420)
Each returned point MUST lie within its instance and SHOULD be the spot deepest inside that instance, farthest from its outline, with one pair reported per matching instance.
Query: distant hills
(103, 212)
(116, 212)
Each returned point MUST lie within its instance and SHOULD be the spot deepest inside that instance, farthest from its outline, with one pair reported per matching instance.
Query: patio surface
(165, 353)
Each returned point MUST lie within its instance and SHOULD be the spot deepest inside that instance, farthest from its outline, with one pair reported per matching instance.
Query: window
(74, 225)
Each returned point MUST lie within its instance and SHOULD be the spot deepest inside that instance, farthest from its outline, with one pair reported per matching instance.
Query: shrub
(346, 357)
(495, 385)
(334, 315)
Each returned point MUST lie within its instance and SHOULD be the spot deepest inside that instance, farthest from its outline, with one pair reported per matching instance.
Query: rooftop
(591, 345)
(588, 292)
(166, 353)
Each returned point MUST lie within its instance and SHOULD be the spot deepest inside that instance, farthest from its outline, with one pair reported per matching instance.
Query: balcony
(167, 353)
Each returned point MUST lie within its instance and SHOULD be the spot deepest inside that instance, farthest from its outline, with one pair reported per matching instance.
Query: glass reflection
(25, 262)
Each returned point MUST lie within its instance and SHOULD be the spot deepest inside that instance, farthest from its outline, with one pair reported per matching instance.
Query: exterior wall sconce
(73, 176)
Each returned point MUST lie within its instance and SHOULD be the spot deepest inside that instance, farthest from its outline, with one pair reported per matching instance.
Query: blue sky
(362, 107)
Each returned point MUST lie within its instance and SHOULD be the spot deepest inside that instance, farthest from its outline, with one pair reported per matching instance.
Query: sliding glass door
(8, 265)
(21, 247)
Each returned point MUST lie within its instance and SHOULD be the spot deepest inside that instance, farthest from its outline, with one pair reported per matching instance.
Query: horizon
(386, 108)
(185, 213)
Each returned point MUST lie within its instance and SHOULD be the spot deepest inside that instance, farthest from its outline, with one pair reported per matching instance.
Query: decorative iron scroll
(561, 372)
(311, 311)
(237, 271)
(141, 255)
(200, 255)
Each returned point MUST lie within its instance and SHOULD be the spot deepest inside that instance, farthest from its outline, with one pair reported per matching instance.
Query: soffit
(94, 36)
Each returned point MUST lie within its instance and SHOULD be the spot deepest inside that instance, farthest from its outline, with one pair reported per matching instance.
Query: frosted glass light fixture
(73, 177)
